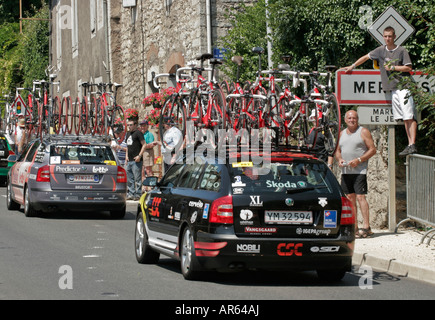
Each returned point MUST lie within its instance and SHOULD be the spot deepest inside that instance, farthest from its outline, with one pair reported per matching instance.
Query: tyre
(83, 114)
(189, 265)
(144, 253)
(118, 214)
(118, 123)
(332, 124)
(11, 204)
(174, 109)
(29, 210)
(76, 116)
(69, 116)
(217, 114)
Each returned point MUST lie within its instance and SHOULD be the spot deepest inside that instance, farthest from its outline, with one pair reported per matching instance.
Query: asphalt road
(88, 256)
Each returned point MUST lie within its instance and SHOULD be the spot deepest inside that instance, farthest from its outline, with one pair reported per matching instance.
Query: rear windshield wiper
(305, 189)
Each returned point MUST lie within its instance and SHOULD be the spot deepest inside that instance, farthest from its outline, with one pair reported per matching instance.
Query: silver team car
(67, 173)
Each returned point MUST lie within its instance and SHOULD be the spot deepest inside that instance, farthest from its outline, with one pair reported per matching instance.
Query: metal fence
(420, 195)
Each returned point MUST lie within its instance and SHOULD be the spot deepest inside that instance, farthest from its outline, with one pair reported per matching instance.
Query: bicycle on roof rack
(242, 107)
(110, 115)
(328, 115)
(175, 105)
(49, 108)
(207, 107)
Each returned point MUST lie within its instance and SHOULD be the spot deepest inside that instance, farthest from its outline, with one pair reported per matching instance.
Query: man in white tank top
(355, 148)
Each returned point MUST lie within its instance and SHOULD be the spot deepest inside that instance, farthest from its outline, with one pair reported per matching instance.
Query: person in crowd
(355, 148)
(135, 149)
(20, 136)
(172, 142)
(148, 156)
(394, 62)
(120, 147)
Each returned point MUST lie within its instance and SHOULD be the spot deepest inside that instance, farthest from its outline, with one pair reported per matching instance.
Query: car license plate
(288, 217)
(84, 178)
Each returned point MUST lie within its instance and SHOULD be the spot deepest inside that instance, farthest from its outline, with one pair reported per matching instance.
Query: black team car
(288, 214)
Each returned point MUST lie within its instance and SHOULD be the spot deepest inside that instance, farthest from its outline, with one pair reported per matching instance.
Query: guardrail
(420, 195)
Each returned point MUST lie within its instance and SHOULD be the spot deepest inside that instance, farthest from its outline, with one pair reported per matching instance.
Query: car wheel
(189, 264)
(29, 210)
(118, 214)
(144, 253)
(11, 204)
(331, 275)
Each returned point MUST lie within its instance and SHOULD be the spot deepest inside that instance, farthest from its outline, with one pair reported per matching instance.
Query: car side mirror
(150, 182)
(12, 158)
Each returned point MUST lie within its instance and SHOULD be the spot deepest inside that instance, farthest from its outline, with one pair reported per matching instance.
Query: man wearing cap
(148, 155)
(172, 140)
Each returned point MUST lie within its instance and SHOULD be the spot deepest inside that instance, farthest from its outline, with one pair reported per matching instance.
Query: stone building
(127, 41)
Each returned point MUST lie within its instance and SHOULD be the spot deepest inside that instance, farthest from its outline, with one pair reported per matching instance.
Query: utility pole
(269, 44)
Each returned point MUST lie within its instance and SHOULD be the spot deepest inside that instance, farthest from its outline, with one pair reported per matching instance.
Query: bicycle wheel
(59, 119)
(301, 125)
(92, 117)
(43, 127)
(194, 112)
(117, 123)
(310, 125)
(101, 121)
(69, 116)
(83, 116)
(76, 116)
(235, 109)
(331, 124)
(174, 110)
(217, 113)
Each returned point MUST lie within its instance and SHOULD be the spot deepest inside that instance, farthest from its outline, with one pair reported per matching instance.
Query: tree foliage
(23, 57)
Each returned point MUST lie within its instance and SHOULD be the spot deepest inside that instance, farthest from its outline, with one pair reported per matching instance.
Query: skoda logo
(289, 201)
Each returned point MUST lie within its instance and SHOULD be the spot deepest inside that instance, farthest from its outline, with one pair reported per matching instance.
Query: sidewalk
(398, 253)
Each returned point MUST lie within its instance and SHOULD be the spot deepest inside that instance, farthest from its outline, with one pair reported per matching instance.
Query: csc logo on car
(289, 249)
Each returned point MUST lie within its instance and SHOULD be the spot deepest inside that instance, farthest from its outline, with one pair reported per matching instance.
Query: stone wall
(155, 37)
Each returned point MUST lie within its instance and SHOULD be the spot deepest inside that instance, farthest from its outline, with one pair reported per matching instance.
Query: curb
(394, 266)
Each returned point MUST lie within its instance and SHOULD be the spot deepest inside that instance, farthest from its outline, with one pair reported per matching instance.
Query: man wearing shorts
(355, 148)
(394, 63)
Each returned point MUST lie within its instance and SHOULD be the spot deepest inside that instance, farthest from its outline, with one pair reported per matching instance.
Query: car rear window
(294, 177)
(81, 154)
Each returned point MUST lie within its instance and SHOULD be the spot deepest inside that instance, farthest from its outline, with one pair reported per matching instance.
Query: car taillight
(347, 212)
(221, 210)
(121, 176)
(43, 174)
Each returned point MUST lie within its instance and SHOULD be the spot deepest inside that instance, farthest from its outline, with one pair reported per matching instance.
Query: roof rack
(81, 138)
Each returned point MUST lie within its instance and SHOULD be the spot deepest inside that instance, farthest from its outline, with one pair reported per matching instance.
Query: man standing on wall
(135, 149)
(394, 63)
(355, 148)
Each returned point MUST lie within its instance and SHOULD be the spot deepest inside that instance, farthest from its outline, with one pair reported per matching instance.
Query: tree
(23, 57)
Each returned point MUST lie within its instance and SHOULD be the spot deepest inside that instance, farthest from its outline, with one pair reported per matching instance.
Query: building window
(75, 29)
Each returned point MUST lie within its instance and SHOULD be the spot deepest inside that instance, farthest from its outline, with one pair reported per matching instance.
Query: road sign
(391, 18)
(18, 106)
(376, 115)
(364, 87)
